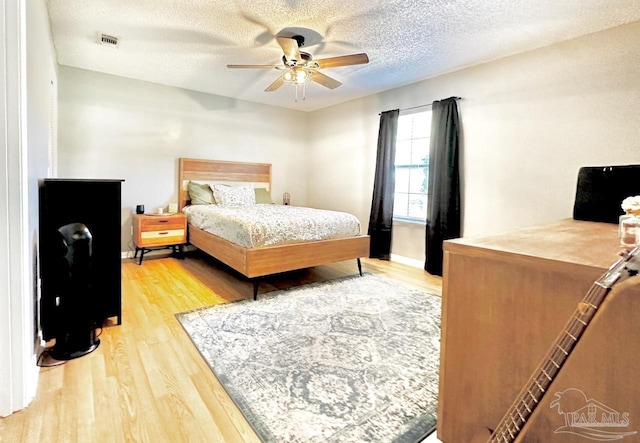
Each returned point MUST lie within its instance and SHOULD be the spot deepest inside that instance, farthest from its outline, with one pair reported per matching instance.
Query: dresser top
(83, 180)
(571, 241)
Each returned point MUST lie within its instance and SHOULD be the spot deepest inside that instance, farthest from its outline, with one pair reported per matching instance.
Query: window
(412, 166)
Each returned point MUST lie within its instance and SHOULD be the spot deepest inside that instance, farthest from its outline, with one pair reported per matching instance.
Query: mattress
(269, 225)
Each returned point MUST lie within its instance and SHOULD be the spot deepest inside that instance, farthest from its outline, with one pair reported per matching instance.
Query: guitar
(529, 397)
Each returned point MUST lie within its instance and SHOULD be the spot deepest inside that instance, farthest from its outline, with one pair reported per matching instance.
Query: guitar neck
(529, 397)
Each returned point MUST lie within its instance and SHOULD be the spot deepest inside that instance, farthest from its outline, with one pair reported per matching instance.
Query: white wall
(11, 65)
(529, 122)
(26, 90)
(41, 90)
(114, 127)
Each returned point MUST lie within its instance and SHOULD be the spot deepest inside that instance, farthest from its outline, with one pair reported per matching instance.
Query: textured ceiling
(188, 43)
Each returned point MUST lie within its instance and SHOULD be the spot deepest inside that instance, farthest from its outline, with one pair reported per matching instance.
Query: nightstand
(159, 231)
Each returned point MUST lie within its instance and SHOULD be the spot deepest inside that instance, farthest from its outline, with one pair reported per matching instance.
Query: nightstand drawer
(159, 238)
(162, 234)
(160, 223)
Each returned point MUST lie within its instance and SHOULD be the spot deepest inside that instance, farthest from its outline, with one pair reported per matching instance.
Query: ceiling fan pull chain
(304, 91)
(296, 92)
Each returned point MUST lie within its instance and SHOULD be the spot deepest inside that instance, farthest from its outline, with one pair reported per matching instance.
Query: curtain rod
(423, 106)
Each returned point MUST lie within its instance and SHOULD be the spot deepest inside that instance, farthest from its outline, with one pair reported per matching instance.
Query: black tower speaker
(75, 290)
(76, 334)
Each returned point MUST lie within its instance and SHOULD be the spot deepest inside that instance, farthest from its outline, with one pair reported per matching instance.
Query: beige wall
(114, 127)
(529, 122)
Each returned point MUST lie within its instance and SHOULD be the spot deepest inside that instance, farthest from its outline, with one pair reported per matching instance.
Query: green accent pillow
(200, 193)
(263, 196)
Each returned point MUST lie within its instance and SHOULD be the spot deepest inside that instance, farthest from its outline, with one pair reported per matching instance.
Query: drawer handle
(163, 233)
(163, 221)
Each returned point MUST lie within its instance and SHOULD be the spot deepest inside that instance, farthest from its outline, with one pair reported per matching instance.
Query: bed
(256, 262)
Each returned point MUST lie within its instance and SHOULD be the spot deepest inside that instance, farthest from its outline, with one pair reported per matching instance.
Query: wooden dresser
(505, 300)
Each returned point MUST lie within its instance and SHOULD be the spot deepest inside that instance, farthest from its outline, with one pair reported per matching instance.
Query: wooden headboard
(200, 170)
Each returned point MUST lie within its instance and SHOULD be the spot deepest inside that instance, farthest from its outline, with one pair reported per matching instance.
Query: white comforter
(268, 225)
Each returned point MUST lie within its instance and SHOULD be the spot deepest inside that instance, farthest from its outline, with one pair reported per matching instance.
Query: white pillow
(234, 195)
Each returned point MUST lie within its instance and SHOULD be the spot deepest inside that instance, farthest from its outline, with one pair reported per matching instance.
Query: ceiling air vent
(109, 40)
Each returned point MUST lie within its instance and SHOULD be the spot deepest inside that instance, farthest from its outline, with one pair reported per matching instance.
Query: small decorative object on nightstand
(159, 231)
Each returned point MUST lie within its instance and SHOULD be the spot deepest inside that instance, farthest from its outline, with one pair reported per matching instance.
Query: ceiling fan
(300, 68)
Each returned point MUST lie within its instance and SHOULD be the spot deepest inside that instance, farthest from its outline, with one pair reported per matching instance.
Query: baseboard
(407, 261)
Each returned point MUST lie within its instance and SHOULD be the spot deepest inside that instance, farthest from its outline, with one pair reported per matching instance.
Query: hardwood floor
(146, 382)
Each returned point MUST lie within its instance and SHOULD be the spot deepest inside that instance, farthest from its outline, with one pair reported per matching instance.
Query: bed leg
(256, 283)
(359, 266)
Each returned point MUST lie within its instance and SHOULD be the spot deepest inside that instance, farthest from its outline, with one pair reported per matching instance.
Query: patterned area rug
(350, 360)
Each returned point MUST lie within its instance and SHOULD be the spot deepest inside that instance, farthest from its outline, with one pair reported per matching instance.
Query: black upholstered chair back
(601, 189)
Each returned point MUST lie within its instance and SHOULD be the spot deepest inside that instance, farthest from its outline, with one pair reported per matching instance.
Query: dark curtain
(443, 201)
(381, 217)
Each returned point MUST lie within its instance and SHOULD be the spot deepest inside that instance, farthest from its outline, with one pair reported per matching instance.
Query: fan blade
(344, 60)
(290, 48)
(276, 84)
(325, 80)
(254, 66)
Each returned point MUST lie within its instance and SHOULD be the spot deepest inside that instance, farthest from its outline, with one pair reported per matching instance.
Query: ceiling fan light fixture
(301, 76)
(297, 75)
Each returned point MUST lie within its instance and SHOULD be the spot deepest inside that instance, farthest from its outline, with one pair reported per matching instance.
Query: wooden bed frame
(258, 262)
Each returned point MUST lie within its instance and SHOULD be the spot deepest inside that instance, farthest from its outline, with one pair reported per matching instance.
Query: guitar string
(551, 371)
(519, 416)
(564, 343)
